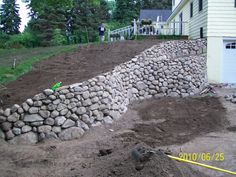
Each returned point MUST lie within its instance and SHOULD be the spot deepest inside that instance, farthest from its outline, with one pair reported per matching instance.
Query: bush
(146, 22)
(58, 38)
(25, 39)
(3, 39)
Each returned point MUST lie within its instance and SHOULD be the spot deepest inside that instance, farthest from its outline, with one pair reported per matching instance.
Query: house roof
(153, 13)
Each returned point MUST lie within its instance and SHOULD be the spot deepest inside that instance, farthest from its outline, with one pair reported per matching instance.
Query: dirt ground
(105, 151)
(84, 63)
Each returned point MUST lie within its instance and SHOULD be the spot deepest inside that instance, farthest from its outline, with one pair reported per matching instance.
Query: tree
(10, 19)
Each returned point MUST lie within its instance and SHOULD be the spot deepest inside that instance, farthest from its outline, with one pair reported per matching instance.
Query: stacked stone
(174, 68)
(231, 98)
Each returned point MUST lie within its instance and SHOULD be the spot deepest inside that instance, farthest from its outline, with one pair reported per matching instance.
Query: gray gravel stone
(48, 92)
(64, 112)
(33, 118)
(30, 102)
(25, 139)
(49, 121)
(14, 117)
(54, 114)
(94, 107)
(52, 107)
(2, 134)
(74, 117)
(16, 131)
(9, 135)
(60, 120)
(26, 129)
(14, 108)
(56, 102)
(44, 129)
(85, 95)
(19, 124)
(25, 106)
(33, 110)
(108, 120)
(45, 114)
(69, 95)
(71, 133)
(68, 123)
(7, 112)
(81, 110)
(6, 126)
(2, 119)
(56, 129)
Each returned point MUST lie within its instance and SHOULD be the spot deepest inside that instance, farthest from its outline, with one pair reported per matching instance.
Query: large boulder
(71, 133)
(27, 138)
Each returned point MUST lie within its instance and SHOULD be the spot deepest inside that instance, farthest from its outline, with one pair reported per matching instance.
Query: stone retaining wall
(175, 68)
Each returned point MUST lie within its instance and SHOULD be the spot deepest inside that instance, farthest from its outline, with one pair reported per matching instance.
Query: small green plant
(58, 38)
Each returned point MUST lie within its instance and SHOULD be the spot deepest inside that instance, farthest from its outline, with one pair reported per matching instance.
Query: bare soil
(84, 63)
(105, 151)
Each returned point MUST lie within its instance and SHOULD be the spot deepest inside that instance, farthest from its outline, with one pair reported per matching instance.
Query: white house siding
(221, 18)
(198, 20)
(186, 16)
(175, 3)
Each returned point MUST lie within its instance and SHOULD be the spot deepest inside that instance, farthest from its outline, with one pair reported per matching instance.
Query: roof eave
(177, 9)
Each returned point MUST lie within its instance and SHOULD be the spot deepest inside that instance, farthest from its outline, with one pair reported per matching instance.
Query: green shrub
(58, 38)
(3, 39)
(25, 39)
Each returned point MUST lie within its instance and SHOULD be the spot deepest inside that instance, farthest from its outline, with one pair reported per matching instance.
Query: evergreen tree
(10, 19)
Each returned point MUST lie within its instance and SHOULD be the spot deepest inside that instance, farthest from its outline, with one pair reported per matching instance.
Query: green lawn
(25, 58)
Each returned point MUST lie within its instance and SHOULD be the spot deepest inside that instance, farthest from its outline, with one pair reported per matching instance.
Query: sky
(23, 13)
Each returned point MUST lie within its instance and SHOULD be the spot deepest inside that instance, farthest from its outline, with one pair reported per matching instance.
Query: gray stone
(108, 120)
(19, 124)
(26, 129)
(95, 100)
(16, 131)
(141, 86)
(81, 110)
(33, 110)
(7, 112)
(61, 107)
(25, 106)
(69, 95)
(20, 110)
(14, 108)
(30, 102)
(6, 126)
(71, 133)
(9, 135)
(48, 92)
(54, 114)
(52, 107)
(25, 139)
(87, 119)
(68, 123)
(72, 105)
(94, 106)
(2, 119)
(101, 78)
(134, 91)
(86, 102)
(52, 97)
(65, 91)
(74, 117)
(85, 95)
(38, 103)
(96, 124)
(62, 97)
(60, 120)
(115, 115)
(64, 112)
(49, 121)
(14, 117)
(56, 129)
(44, 113)
(82, 125)
(56, 102)
(33, 118)
(39, 97)
(68, 114)
(44, 129)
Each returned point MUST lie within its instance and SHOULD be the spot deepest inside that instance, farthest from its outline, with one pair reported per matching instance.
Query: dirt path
(85, 63)
(157, 122)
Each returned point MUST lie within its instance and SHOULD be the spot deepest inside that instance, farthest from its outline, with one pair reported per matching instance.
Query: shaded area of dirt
(84, 63)
(105, 151)
(177, 120)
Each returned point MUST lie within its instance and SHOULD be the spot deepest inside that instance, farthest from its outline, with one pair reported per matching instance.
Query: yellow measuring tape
(202, 165)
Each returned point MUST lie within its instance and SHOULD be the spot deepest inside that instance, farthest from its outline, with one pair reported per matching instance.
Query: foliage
(58, 38)
(25, 60)
(146, 22)
(9, 15)
(3, 39)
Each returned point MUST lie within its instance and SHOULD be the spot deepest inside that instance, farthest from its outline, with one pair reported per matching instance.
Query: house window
(200, 5)
(231, 46)
(201, 32)
(234, 3)
(191, 9)
(173, 2)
